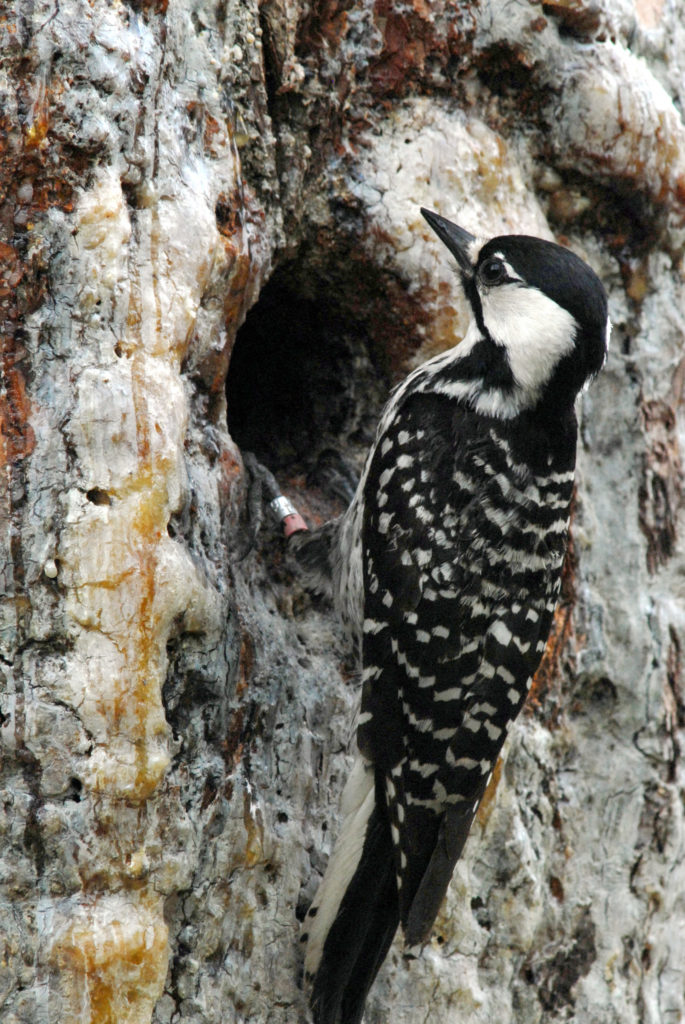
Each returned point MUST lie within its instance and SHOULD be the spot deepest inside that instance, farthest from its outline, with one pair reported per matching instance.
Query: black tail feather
(371, 956)
(361, 934)
(419, 914)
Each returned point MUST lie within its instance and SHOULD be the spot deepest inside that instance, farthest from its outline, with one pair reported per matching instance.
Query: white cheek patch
(468, 342)
(535, 331)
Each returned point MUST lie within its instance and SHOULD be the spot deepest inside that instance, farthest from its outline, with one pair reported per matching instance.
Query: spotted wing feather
(450, 645)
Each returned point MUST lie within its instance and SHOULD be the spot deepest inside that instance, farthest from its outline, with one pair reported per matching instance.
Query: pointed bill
(457, 240)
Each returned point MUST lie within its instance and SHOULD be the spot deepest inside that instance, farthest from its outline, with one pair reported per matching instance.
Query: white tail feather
(357, 805)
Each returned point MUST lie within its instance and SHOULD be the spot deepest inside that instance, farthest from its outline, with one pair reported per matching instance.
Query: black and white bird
(447, 565)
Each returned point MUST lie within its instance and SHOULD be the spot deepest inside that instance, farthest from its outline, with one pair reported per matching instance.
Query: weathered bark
(175, 718)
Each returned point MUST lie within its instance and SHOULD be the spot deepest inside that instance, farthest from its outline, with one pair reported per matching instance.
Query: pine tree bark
(175, 711)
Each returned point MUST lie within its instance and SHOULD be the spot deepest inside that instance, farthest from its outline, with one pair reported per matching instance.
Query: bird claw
(260, 483)
(262, 478)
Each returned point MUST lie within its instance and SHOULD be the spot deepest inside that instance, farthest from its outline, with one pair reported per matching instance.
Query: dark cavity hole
(304, 385)
(97, 496)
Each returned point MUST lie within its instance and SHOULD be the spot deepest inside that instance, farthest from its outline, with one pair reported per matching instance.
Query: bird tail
(355, 913)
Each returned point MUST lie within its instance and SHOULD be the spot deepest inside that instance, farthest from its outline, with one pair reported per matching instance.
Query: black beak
(455, 238)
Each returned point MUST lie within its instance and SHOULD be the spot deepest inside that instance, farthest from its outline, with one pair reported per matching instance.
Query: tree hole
(306, 382)
(98, 496)
(75, 789)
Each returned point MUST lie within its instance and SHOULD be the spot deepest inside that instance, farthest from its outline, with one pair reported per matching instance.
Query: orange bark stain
(487, 804)
(113, 966)
(141, 700)
(17, 439)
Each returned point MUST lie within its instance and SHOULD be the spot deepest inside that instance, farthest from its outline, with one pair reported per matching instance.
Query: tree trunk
(175, 710)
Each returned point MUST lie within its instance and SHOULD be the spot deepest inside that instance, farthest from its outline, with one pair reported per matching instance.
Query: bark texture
(175, 714)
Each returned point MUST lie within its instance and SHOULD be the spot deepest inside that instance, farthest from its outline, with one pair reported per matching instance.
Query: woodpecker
(447, 568)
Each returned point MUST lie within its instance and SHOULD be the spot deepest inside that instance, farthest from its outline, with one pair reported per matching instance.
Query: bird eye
(492, 271)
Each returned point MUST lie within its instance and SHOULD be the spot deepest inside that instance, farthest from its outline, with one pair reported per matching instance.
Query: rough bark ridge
(175, 720)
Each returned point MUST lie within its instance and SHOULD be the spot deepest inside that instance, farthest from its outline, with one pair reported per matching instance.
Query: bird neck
(544, 437)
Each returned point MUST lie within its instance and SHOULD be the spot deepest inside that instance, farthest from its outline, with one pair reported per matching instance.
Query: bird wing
(447, 654)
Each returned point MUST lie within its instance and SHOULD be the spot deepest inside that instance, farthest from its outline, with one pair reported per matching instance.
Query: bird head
(541, 325)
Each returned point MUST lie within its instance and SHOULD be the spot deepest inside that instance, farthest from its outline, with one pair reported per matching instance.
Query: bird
(446, 568)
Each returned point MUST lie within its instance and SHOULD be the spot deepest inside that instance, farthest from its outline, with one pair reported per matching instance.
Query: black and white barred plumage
(447, 565)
